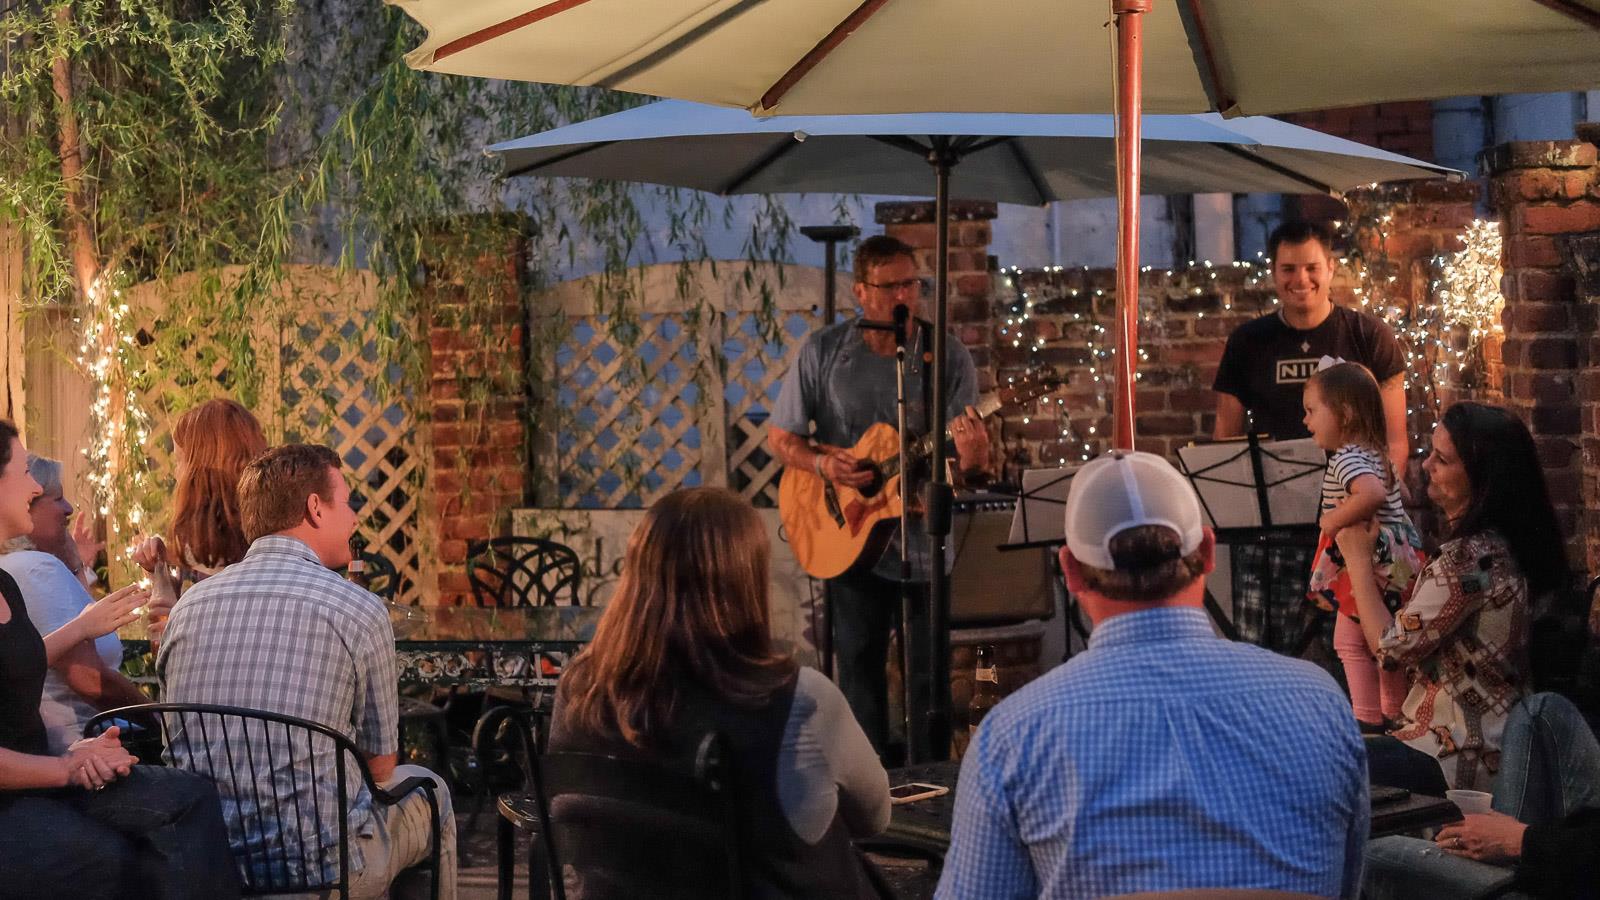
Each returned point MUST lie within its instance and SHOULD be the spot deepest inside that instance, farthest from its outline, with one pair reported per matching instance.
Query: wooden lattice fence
(685, 402)
(322, 381)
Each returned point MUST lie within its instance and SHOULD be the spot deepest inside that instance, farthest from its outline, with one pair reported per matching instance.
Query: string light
(116, 456)
(1049, 290)
(1442, 333)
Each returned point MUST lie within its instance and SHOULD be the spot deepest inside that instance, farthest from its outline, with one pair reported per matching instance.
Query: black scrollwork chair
(524, 571)
(264, 765)
(379, 575)
(626, 828)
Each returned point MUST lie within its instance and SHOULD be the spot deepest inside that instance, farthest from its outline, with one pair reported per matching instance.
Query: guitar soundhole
(871, 488)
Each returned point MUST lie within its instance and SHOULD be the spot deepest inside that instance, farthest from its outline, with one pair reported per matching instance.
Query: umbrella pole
(1130, 107)
(940, 496)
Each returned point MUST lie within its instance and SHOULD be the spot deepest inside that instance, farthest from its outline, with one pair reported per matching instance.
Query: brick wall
(970, 310)
(1188, 315)
(476, 408)
(1397, 127)
(1547, 195)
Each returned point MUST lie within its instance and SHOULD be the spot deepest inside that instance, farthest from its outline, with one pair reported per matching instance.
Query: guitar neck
(986, 406)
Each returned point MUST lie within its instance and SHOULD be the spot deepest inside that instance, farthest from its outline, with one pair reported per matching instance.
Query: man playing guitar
(841, 384)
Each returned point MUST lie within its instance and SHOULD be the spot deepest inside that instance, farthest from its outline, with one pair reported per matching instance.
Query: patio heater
(829, 237)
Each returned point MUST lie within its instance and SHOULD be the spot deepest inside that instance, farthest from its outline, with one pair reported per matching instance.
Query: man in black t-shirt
(1268, 361)
(1259, 383)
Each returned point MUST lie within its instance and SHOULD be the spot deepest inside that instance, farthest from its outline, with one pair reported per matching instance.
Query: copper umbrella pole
(1130, 106)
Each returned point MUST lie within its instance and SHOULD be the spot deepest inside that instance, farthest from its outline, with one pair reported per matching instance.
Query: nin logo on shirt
(1296, 371)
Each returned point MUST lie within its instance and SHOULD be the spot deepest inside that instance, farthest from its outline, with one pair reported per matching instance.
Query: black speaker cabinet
(987, 586)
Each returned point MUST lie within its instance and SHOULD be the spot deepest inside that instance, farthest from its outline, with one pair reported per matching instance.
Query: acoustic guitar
(833, 529)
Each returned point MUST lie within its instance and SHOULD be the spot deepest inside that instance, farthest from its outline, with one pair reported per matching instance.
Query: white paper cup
(1470, 802)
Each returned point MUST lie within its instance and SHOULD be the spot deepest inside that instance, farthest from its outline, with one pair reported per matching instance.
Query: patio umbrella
(1030, 159)
(806, 57)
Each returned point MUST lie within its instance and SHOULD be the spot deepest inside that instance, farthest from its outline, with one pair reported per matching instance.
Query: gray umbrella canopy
(1030, 159)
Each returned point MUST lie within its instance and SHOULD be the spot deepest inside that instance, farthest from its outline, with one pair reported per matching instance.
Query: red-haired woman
(211, 444)
(684, 648)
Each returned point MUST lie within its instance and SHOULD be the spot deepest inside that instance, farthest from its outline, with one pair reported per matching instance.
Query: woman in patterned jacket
(1463, 635)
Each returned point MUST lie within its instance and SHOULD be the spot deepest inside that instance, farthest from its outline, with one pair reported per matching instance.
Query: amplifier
(988, 586)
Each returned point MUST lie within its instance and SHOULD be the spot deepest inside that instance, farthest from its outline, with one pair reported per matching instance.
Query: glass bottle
(985, 688)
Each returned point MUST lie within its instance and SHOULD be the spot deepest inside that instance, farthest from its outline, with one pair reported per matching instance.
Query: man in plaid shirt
(280, 632)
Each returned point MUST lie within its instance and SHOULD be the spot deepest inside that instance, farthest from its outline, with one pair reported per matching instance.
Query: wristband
(816, 464)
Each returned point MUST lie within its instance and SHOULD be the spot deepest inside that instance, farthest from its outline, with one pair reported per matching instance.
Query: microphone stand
(916, 750)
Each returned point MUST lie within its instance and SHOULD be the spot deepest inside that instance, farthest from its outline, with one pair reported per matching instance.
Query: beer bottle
(985, 689)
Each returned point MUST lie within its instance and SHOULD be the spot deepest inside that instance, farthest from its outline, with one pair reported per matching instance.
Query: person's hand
(1358, 541)
(93, 763)
(972, 439)
(148, 553)
(89, 546)
(1491, 837)
(841, 467)
(1327, 524)
(112, 612)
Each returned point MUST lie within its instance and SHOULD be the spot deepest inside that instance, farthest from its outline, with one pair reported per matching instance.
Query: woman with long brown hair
(211, 444)
(685, 648)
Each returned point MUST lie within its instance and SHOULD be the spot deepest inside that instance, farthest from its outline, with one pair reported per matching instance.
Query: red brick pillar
(1543, 190)
(477, 404)
(971, 300)
(1583, 255)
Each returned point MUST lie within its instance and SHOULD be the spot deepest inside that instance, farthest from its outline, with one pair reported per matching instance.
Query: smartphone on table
(911, 793)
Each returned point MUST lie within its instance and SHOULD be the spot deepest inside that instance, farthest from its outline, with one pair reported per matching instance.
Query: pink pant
(1375, 694)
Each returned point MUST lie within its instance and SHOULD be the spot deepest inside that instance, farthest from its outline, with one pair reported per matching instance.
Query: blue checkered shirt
(280, 632)
(1163, 758)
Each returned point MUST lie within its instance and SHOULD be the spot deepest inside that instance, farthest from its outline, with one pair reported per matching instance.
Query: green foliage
(255, 134)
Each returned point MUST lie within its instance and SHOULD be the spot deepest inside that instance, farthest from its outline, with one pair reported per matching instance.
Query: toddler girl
(1344, 412)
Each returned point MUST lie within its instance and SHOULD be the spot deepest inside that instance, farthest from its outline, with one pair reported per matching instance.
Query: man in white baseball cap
(1162, 757)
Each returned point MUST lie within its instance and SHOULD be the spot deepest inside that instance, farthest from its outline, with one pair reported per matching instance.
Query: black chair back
(265, 767)
(524, 571)
(626, 828)
(379, 575)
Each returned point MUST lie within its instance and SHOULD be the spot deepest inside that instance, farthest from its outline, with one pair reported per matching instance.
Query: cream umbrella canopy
(828, 57)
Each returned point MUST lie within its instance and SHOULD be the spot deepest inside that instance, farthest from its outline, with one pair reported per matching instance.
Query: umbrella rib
(679, 44)
(1279, 168)
(1194, 26)
(974, 145)
(1028, 168)
(773, 154)
(817, 54)
(1573, 10)
(901, 142)
(558, 158)
(467, 42)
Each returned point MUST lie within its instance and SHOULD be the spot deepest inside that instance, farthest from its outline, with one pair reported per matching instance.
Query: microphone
(902, 315)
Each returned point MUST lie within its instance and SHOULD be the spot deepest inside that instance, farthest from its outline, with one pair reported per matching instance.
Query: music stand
(1039, 521)
(1264, 494)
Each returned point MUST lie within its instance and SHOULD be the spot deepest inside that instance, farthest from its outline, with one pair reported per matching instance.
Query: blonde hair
(689, 609)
